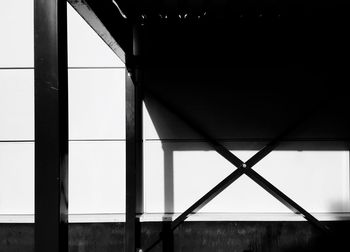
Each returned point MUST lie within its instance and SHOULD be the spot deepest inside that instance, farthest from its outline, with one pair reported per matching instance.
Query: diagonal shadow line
(236, 174)
(242, 168)
(216, 145)
(274, 191)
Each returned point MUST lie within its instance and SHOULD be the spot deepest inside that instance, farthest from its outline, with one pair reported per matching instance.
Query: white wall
(16, 107)
(17, 33)
(96, 122)
(176, 172)
(318, 181)
(179, 171)
(96, 117)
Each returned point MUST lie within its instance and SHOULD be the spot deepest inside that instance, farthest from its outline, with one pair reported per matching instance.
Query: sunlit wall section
(85, 47)
(96, 125)
(16, 111)
(96, 118)
(17, 34)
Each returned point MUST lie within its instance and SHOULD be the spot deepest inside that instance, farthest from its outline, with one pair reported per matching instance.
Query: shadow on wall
(250, 106)
(250, 119)
(171, 129)
(168, 179)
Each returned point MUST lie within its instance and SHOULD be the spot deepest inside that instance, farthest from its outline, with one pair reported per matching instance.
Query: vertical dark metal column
(167, 237)
(51, 126)
(134, 158)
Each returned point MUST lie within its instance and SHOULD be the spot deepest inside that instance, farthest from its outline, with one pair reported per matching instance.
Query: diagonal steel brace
(242, 168)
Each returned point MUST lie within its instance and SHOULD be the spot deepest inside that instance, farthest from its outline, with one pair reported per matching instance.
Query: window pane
(17, 29)
(97, 104)
(85, 47)
(17, 104)
(16, 178)
(96, 177)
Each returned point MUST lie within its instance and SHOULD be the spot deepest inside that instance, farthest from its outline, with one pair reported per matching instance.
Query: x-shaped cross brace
(242, 168)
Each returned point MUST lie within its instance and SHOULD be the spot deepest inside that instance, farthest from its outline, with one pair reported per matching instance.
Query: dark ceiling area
(241, 69)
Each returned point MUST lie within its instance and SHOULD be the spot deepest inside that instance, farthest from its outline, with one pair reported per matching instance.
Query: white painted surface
(16, 178)
(96, 111)
(16, 104)
(97, 104)
(17, 33)
(149, 129)
(323, 186)
(85, 47)
(97, 169)
(96, 177)
(155, 217)
(317, 180)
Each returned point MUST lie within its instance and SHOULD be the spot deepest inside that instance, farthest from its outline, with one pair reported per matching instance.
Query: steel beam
(234, 175)
(93, 12)
(167, 237)
(134, 164)
(284, 199)
(51, 126)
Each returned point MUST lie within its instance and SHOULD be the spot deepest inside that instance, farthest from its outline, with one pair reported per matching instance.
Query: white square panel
(17, 33)
(17, 104)
(96, 177)
(16, 178)
(97, 104)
